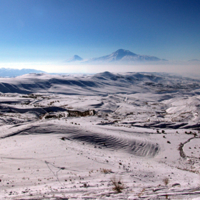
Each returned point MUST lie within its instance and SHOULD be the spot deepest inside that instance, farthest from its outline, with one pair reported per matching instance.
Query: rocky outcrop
(76, 113)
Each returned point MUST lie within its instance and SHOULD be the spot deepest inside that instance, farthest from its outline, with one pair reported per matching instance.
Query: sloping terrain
(75, 136)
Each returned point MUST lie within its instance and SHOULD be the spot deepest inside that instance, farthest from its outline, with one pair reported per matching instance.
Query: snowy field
(103, 136)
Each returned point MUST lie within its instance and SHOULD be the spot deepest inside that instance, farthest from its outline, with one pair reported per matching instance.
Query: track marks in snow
(136, 147)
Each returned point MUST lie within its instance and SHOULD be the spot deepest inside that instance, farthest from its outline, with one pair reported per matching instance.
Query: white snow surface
(144, 136)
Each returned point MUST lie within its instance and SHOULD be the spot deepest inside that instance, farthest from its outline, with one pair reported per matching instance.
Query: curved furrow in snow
(135, 147)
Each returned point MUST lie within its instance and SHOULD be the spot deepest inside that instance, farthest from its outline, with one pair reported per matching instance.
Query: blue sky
(54, 30)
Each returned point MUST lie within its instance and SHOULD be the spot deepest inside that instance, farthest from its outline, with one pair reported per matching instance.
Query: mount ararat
(121, 55)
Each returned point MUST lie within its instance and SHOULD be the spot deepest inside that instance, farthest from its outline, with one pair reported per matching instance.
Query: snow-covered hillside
(100, 84)
(103, 136)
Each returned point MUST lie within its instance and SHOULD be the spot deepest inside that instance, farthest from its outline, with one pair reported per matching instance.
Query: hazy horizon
(92, 68)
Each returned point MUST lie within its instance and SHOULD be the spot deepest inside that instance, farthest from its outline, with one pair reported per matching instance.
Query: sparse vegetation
(140, 194)
(118, 186)
(106, 171)
(166, 181)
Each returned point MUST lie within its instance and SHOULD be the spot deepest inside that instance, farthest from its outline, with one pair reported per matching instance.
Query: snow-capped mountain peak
(120, 53)
(124, 56)
(75, 58)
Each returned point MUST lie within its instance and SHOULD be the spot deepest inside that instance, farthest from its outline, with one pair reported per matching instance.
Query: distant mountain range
(194, 60)
(7, 72)
(121, 55)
